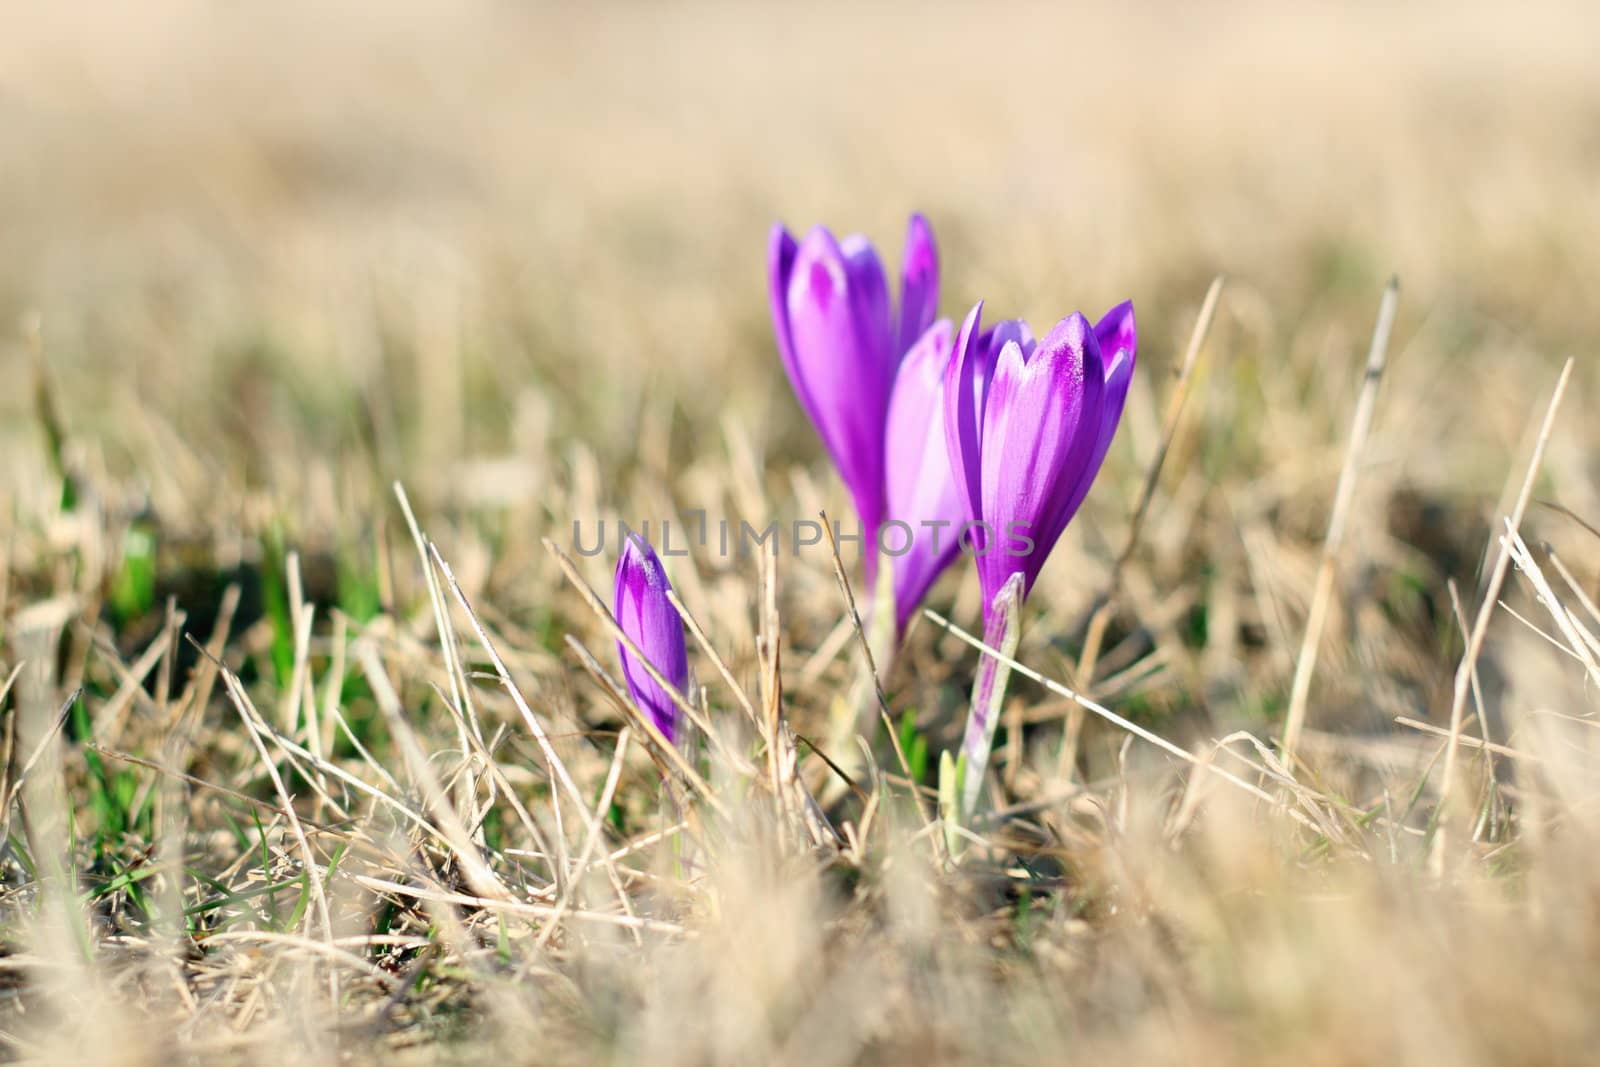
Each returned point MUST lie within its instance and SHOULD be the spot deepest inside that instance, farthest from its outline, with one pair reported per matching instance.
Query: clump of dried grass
(527, 868)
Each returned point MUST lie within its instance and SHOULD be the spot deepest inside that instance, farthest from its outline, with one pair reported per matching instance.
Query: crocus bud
(1027, 426)
(653, 625)
(841, 345)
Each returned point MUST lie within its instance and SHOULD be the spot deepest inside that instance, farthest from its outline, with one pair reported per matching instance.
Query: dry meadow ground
(272, 793)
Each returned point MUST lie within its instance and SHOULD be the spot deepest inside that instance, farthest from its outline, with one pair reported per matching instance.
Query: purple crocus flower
(1027, 427)
(842, 344)
(653, 625)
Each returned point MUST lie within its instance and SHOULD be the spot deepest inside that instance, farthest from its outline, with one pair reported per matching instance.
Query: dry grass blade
(319, 895)
(664, 751)
(201, 783)
(936, 840)
(513, 907)
(1322, 594)
(855, 615)
(197, 694)
(1096, 633)
(39, 749)
(769, 654)
(326, 949)
(1578, 641)
(1453, 736)
(1117, 720)
(1573, 584)
(1470, 742)
(716, 659)
(558, 769)
(301, 618)
(9, 752)
(460, 692)
(607, 792)
(108, 723)
(497, 777)
(333, 770)
(483, 880)
(1491, 592)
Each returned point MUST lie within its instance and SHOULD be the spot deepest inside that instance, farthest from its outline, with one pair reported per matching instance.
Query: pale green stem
(678, 847)
(1002, 630)
(858, 711)
(879, 621)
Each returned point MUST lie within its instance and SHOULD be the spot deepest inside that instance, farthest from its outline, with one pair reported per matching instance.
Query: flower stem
(1002, 630)
(857, 711)
(882, 639)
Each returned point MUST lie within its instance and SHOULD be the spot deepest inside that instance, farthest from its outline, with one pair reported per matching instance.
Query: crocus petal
(869, 298)
(965, 387)
(1118, 335)
(923, 493)
(653, 625)
(919, 283)
(966, 394)
(1119, 344)
(1009, 330)
(843, 361)
(781, 248)
(1078, 471)
(1035, 446)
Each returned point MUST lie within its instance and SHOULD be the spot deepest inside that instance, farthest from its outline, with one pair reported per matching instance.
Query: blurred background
(272, 258)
